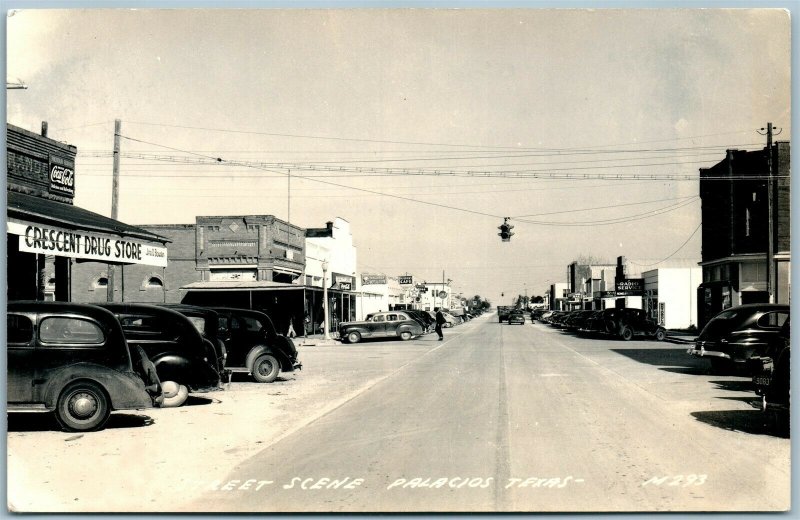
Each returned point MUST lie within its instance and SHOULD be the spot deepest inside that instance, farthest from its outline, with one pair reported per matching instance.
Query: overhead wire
(674, 252)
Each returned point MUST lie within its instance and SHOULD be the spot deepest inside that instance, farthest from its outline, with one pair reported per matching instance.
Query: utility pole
(114, 203)
(770, 218)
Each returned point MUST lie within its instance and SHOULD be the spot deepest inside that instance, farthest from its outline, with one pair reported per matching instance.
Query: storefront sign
(232, 275)
(405, 280)
(373, 279)
(62, 176)
(50, 240)
(342, 281)
(630, 287)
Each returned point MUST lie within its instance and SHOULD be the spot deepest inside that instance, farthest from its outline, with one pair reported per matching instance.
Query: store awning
(249, 285)
(54, 228)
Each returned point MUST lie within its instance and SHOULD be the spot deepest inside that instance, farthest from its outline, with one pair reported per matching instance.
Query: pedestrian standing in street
(439, 322)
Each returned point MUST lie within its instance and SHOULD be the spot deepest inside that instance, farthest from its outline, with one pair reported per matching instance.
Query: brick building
(735, 230)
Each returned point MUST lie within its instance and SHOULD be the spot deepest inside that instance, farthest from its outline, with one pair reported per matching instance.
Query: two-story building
(735, 230)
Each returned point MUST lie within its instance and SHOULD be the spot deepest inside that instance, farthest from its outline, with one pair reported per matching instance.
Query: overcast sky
(522, 113)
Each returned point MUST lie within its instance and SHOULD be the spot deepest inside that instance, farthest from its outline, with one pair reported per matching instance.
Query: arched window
(155, 281)
(101, 282)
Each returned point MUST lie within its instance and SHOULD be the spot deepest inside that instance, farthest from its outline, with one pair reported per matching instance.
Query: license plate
(762, 380)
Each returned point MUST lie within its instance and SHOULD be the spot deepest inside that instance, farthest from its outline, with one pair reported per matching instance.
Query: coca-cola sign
(62, 179)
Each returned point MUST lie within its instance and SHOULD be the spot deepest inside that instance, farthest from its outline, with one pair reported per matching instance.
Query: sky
(423, 128)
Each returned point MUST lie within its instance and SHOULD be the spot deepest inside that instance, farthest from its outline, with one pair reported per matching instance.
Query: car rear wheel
(266, 368)
(175, 394)
(626, 334)
(661, 334)
(406, 335)
(82, 406)
(353, 337)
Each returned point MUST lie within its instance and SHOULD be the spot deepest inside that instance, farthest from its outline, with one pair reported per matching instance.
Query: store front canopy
(54, 228)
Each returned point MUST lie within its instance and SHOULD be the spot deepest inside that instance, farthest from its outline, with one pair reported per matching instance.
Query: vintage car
(516, 316)
(184, 361)
(737, 334)
(72, 359)
(253, 345)
(626, 323)
(771, 379)
(392, 324)
(206, 321)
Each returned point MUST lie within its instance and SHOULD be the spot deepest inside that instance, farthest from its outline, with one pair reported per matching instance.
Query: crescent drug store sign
(86, 245)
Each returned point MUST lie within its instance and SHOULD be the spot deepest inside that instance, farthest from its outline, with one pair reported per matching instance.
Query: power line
(603, 207)
(331, 138)
(674, 252)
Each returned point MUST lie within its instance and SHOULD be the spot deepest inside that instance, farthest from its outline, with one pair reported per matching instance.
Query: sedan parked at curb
(392, 324)
(254, 346)
(72, 359)
(737, 334)
(184, 361)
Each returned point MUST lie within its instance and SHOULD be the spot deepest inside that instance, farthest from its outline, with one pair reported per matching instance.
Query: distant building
(735, 230)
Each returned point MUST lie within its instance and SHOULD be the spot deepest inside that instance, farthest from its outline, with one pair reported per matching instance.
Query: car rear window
(199, 323)
(773, 320)
(70, 330)
(19, 329)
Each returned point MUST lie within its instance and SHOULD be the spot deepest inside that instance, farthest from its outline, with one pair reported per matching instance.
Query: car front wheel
(353, 337)
(661, 334)
(266, 368)
(82, 406)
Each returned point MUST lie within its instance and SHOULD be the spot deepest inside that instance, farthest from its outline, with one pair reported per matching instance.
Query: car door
(152, 334)
(377, 327)
(393, 321)
(21, 358)
(64, 341)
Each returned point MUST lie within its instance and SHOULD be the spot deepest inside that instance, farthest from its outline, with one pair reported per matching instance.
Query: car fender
(265, 349)
(344, 331)
(416, 331)
(124, 389)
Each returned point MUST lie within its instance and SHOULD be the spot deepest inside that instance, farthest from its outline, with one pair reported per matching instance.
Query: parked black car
(206, 321)
(72, 359)
(254, 346)
(626, 323)
(423, 318)
(184, 361)
(737, 334)
(772, 376)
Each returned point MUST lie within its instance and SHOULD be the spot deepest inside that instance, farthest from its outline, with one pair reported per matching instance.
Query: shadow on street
(37, 422)
(748, 421)
(671, 359)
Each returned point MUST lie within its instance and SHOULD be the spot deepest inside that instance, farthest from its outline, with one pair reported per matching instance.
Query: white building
(671, 295)
(333, 244)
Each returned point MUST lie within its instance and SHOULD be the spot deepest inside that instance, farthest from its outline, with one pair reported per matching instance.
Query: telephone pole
(771, 277)
(114, 203)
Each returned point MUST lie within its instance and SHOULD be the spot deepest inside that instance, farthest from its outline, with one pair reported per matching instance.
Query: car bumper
(702, 352)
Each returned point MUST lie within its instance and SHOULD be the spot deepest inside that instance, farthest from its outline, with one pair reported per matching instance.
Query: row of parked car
(82, 361)
(621, 323)
(401, 324)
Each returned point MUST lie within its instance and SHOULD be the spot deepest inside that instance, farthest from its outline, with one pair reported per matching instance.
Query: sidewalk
(681, 337)
(315, 340)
